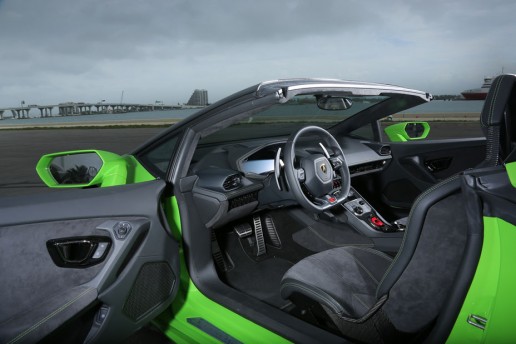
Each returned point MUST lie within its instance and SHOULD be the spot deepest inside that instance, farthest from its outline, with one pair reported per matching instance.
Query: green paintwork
(491, 294)
(511, 172)
(191, 303)
(115, 170)
(397, 133)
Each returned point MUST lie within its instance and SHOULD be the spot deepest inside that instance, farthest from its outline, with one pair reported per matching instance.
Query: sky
(55, 51)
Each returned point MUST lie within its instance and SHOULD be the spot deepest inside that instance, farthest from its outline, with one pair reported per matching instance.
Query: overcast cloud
(60, 50)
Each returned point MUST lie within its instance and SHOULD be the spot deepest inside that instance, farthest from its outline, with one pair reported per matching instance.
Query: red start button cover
(377, 222)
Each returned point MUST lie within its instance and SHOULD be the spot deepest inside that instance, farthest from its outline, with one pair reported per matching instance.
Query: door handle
(437, 165)
(79, 252)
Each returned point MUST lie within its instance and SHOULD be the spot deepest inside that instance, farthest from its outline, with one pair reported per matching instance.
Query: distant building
(198, 98)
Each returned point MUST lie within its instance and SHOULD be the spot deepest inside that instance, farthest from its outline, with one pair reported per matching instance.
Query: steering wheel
(312, 179)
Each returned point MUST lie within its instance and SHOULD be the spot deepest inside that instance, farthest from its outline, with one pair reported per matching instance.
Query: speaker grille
(152, 286)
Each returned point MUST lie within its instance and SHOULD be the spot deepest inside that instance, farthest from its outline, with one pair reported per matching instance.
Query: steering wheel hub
(319, 175)
(312, 180)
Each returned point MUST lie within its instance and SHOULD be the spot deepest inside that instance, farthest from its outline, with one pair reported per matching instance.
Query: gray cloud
(58, 50)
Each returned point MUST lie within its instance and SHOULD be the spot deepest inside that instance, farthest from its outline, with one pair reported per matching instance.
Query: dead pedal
(221, 258)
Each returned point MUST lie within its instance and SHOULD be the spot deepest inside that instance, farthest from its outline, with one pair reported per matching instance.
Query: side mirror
(407, 131)
(81, 169)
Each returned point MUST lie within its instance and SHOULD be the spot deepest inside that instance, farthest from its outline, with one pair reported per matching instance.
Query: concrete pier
(45, 111)
(76, 109)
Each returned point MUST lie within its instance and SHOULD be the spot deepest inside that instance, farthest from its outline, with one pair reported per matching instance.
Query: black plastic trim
(54, 250)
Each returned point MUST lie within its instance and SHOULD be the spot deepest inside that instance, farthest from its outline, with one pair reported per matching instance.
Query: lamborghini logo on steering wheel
(324, 168)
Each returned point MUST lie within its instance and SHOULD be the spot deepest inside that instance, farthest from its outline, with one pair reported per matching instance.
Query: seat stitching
(48, 317)
(491, 106)
(418, 200)
(494, 99)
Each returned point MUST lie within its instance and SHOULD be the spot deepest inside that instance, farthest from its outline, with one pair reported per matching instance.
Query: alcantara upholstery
(373, 299)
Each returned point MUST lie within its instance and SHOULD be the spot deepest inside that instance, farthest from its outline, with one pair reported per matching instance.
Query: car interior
(339, 228)
(282, 209)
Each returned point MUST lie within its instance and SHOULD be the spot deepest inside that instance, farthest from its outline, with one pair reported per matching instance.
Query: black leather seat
(371, 297)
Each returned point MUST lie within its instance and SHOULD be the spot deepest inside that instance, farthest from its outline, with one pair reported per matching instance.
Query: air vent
(232, 182)
(367, 167)
(384, 150)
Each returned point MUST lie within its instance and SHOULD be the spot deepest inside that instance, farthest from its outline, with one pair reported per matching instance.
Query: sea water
(434, 107)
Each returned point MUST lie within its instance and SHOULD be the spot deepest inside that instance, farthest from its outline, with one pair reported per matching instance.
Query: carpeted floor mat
(261, 276)
(319, 237)
(259, 279)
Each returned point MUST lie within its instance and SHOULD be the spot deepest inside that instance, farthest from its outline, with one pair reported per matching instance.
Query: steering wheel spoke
(301, 176)
(313, 183)
(336, 162)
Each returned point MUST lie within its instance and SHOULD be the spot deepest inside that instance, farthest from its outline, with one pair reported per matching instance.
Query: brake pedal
(260, 240)
(243, 230)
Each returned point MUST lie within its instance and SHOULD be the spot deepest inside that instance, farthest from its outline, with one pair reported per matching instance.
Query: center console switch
(366, 214)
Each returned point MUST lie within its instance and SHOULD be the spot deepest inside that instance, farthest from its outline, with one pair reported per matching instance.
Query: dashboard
(233, 180)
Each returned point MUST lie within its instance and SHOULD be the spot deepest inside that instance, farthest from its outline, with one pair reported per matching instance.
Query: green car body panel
(491, 294)
(115, 170)
(194, 318)
(398, 133)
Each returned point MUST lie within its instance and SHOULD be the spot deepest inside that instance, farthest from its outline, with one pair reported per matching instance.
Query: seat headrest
(497, 99)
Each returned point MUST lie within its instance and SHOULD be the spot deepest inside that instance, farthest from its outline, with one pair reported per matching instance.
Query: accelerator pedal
(260, 240)
(272, 232)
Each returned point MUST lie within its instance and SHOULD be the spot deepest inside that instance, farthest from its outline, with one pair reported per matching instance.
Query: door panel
(130, 278)
(416, 166)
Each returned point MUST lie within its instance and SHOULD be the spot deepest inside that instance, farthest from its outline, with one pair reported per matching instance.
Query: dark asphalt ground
(20, 150)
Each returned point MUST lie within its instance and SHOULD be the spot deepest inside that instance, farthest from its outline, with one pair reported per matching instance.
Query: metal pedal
(271, 230)
(243, 230)
(260, 240)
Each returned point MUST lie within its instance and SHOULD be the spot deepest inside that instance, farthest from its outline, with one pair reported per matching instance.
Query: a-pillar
(41, 112)
(1, 114)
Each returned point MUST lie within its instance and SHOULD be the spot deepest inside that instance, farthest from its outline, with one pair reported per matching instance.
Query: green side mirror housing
(407, 131)
(80, 169)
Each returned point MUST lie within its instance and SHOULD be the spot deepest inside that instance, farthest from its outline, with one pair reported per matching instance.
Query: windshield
(286, 118)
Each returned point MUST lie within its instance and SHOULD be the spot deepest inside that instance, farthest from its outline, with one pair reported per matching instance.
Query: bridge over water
(75, 109)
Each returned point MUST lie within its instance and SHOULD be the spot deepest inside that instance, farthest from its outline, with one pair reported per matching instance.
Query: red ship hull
(474, 96)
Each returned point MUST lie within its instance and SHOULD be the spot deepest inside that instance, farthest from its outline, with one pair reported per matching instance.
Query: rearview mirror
(407, 131)
(82, 169)
(334, 103)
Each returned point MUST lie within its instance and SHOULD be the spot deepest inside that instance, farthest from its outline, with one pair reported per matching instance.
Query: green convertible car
(293, 211)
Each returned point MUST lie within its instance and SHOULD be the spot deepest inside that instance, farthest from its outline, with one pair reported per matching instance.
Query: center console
(367, 216)
(365, 219)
